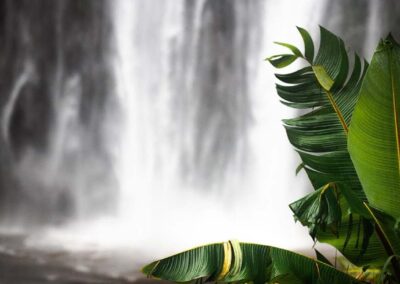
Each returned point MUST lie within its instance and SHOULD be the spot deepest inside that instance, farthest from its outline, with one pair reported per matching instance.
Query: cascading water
(55, 107)
(153, 126)
(203, 150)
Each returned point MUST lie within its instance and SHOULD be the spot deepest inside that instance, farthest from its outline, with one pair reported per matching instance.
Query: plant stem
(394, 261)
(386, 243)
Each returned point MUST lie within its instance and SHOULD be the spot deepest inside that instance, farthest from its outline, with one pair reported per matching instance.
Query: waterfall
(154, 125)
(203, 152)
(55, 113)
(199, 149)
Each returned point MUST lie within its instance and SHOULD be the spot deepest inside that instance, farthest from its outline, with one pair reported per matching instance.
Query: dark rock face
(55, 92)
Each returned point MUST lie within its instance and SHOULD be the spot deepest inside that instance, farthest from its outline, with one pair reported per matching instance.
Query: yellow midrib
(227, 260)
(326, 83)
(377, 223)
(337, 110)
(396, 119)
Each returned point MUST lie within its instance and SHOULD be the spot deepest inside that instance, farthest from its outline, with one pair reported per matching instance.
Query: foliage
(243, 262)
(349, 144)
(337, 216)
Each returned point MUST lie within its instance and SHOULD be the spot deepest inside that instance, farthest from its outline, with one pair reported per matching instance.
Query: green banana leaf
(243, 262)
(330, 89)
(353, 234)
(374, 141)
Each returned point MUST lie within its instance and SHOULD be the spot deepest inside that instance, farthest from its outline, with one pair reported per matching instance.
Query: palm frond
(328, 88)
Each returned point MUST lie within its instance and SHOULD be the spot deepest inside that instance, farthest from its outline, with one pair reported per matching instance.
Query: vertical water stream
(155, 124)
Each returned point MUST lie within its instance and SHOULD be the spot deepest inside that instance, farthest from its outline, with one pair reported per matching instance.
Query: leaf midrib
(396, 119)
(326, 83)
(337, 110)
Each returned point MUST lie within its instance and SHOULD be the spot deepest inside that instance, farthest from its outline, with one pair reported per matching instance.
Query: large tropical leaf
(320, 136)
(334, 213)
(243, 262)
(374, 139)
(374, 144)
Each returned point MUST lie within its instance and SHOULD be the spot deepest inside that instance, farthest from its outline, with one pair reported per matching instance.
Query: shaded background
(146, 127)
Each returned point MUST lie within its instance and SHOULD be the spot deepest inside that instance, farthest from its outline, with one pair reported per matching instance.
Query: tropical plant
(349, 144)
